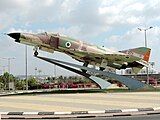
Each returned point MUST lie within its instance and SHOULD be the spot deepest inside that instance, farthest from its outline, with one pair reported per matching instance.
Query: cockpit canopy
(53, 34)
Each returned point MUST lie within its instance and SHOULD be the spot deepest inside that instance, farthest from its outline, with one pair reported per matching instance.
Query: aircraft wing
(108, 57)
(117, 61)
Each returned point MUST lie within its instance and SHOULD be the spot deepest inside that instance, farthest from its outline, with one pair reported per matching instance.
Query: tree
(6, 78)
(33, 83)
(20, 84)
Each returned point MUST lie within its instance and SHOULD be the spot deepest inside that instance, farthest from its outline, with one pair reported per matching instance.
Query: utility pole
(145, 38)
(26, 60)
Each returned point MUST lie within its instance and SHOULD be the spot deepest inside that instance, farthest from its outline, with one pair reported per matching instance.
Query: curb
(80, 114)
(44, 91)
(23, 92)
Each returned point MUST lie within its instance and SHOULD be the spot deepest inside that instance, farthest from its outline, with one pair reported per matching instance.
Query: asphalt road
(147, 117)
(79, 102)
(143, 117)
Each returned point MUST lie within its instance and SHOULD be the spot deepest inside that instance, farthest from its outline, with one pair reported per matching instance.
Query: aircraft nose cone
(15, 36)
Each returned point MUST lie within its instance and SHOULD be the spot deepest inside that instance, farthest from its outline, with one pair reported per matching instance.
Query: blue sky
(110, 23)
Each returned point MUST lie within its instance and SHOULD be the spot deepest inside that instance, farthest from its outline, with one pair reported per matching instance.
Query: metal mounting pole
(145, 38)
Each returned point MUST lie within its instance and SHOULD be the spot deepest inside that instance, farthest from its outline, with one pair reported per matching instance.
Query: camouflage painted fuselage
(85, 52)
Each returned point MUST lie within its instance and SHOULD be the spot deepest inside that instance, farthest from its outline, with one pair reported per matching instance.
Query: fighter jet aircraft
(102, 57)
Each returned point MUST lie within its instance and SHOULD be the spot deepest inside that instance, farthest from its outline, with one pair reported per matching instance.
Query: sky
(109, 23)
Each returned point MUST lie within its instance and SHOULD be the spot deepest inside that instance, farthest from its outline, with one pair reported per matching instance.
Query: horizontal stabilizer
(141, 52)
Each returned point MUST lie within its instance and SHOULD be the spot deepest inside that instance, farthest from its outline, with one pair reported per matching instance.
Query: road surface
(79, 102)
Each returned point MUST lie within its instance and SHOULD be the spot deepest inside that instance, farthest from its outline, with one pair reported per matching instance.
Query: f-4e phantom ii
(102, 57)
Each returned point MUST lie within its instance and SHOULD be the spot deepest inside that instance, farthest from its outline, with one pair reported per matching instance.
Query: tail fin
(141, 52)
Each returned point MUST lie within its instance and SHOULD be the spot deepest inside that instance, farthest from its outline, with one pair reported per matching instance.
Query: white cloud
(48, 2)
(90, 16)
(131, 12)
(107, 10)
(135, 7)
(19, 30)
(133, 20)
(5, 21)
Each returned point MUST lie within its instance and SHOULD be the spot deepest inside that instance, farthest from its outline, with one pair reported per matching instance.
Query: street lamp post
(3, 71)
(2, 68)
(9, 63)
(5, 82)
(26, 60)
(145, 38)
